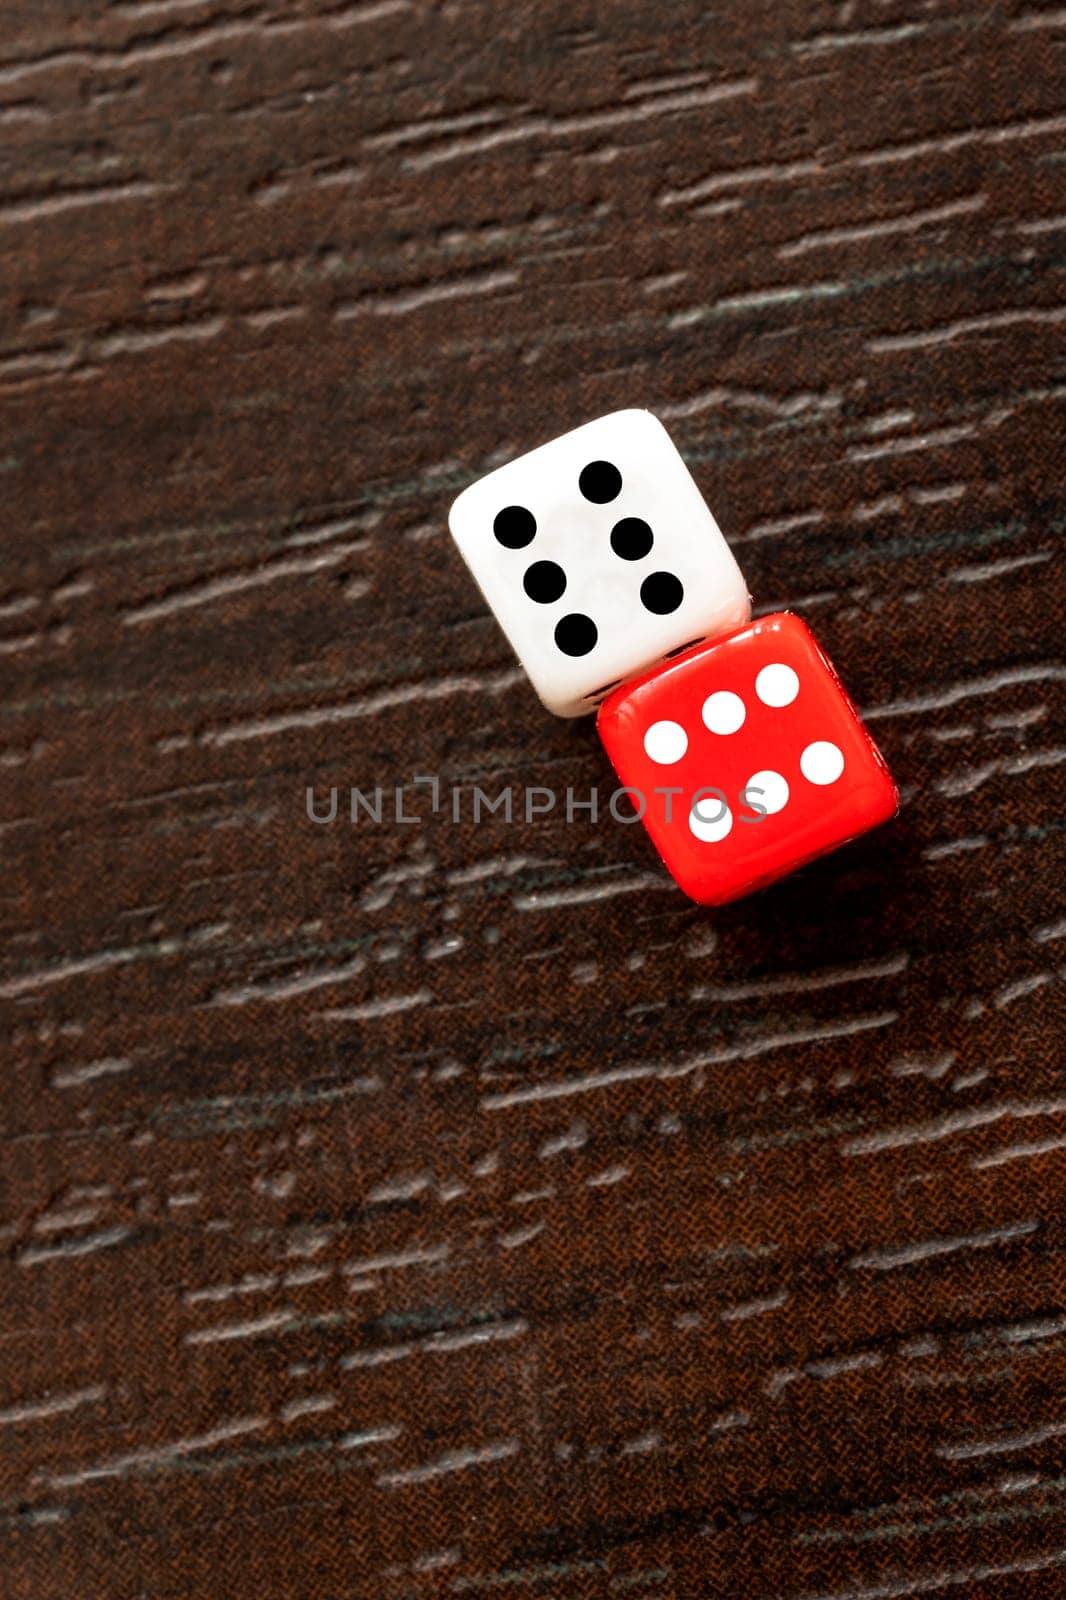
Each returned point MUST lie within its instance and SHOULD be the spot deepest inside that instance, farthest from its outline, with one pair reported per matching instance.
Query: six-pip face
(746, 759)
(599, 556)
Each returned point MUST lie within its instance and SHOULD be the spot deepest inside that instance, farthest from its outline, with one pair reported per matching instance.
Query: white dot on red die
(767, 791)
(822, 762)
(710, 819)
(665, 742)
(723, 712)
(777, 685)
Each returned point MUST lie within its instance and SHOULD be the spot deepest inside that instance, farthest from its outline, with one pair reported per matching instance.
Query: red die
(765, 755)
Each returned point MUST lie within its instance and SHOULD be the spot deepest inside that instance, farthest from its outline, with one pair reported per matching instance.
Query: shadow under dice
(748, 757)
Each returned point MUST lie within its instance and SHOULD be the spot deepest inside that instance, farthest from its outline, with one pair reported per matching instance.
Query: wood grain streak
(401, 1210)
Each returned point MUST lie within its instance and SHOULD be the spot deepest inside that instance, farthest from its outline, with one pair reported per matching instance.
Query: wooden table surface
(447, 1210)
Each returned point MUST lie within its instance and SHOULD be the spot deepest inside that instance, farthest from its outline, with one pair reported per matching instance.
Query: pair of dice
(736, 740)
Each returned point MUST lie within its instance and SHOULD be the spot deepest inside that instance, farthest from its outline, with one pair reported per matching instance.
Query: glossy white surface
(573, 534)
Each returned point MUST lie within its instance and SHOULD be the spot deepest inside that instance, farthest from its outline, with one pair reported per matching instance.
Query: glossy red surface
(757, 733)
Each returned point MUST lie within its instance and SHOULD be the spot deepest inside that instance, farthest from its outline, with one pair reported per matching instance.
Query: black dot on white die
(631, 538)
(514, 527)
(600, 482)
(576, 634)
(544, 582)
(661, 593)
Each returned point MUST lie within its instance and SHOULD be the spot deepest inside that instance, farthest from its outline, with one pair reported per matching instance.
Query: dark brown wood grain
(453, 1210)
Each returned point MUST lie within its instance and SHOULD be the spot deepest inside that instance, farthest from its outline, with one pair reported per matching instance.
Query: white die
(598, 555)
